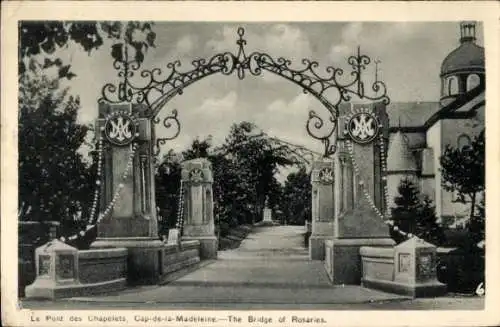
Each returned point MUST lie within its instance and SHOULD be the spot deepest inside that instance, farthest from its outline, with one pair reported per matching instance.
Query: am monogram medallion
(121, 128)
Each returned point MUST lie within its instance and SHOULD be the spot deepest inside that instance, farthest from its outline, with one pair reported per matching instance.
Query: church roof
(399, 156)
(410, 114)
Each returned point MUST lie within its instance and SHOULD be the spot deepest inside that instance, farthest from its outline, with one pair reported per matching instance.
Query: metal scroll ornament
(171, 125)
(156, 88)
(120, 128)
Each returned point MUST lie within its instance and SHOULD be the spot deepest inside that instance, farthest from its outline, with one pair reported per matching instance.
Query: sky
(410, 56)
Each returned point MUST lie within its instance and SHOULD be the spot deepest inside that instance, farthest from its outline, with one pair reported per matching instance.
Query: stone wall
(101, 265)
(378, 263)
(175, 258)
(63, 271)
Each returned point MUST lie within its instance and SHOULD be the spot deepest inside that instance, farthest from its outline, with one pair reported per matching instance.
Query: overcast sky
(410, 56)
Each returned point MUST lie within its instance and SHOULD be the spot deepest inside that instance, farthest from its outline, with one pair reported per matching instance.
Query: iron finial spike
(376, 69)
(241, 42)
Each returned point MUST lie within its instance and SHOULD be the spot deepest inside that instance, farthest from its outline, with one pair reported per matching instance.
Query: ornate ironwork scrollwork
(308, 78)
(171, 122)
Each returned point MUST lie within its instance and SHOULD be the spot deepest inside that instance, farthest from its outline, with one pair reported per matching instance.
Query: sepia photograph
(248, 165)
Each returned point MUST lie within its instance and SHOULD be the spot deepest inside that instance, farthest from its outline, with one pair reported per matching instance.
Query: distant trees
(244, 170)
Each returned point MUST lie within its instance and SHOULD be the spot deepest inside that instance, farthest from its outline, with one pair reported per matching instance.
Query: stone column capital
(323, 172)
(197, 171)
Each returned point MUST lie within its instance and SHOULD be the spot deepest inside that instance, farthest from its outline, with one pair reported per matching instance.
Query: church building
(417, 134)
(420, 131)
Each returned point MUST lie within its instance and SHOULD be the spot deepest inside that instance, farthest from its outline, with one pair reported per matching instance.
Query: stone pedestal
(415, 268)
(173, 237)
(56, 270)
(323, 208)
(132, 222)
(268, 218)
(199, 213)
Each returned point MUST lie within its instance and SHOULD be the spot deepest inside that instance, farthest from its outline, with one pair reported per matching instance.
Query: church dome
(468, 57)
(463, 69)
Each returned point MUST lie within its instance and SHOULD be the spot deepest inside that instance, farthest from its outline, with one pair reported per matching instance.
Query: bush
(462, 269)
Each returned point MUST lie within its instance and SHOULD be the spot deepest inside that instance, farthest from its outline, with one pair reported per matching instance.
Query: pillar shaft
(132, 222)
(133, 214)
(323, 207)
(198, 200)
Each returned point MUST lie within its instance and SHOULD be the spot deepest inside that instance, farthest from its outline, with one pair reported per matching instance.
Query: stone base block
(144, 262)
(343, 261)
(47, 290)
(430, 289)
(208, 245)
(317, 246)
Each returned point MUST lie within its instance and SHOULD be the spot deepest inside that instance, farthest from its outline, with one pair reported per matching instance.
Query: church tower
(463, 69)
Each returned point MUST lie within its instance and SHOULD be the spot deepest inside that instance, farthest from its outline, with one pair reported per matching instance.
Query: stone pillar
(132, 222)
(56, 271)
(359, 224)
(323, 207)
(199, 212)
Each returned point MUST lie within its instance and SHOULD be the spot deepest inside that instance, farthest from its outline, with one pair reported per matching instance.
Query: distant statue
(267, 212)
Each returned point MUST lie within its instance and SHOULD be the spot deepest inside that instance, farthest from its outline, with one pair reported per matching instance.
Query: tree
(463, 171)
(258, 159)
(43, 38)
(414, 213)
(167, 181)
(476, 225)
(54, 180)
(296, 203)
(426, 226)
(406, 205)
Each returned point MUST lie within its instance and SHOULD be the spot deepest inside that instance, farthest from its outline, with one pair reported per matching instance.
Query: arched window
(463, 142)
(472, 81)
(452, 85)
(444, 87)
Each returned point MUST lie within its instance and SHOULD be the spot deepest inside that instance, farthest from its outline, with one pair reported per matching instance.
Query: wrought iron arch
(308, 79)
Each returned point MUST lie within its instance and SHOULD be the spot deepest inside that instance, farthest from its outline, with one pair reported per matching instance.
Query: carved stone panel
(65, 266)
(196, 175)
(404, 262)
(43, 265)
(426, 267)
(326, 175)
